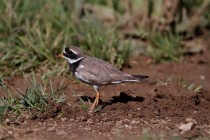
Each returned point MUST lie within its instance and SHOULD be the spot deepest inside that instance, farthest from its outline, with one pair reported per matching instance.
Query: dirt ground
(128, 109)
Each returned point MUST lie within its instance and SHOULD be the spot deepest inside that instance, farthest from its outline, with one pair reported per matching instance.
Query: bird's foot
(93, 107)
(95, 103)
(91, 111)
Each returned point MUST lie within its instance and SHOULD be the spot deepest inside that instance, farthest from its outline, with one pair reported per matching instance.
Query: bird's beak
(60, 56)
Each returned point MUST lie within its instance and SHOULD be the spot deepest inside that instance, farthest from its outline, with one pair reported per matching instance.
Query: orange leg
(96, 101)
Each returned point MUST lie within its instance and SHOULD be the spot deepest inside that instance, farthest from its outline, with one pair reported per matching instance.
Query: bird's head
(72, 54)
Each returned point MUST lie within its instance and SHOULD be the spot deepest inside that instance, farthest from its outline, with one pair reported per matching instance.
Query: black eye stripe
(71, 56)
(68, 51)
(66, 55)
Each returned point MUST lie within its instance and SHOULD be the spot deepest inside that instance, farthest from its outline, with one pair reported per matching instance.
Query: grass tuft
(82, 103)
(164, 47)
(37, 97)
(185, 84)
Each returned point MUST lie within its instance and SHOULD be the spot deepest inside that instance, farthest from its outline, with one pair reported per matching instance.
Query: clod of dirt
(171, 100)
(190, 120)
(81, 118)
(63, 119)
(52, 113)
(7, 137)
(90, 121)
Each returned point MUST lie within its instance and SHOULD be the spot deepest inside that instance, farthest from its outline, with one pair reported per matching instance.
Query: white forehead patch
(73, 51)
(70, 50)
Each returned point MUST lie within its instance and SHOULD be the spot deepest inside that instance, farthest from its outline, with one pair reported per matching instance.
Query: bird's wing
(99, 72)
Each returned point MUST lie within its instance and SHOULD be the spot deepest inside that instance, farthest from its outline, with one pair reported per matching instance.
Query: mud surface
(127, 109)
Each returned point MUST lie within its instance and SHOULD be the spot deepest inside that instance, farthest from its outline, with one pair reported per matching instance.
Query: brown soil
(127, 109)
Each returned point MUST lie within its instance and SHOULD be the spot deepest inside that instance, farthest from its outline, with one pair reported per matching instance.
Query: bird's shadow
(122, 98)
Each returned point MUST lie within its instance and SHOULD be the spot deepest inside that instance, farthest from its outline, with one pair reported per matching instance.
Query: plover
(95, 72)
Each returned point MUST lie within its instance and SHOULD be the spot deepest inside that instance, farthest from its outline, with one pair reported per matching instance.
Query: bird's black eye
(68, 51)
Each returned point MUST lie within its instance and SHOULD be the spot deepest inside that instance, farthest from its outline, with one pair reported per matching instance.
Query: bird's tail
(136, 78)
(140, 77)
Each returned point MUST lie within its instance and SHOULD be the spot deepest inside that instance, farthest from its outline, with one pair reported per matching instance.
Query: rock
(186, 127)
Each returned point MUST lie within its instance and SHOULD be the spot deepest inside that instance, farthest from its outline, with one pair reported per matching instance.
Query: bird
(95, 72)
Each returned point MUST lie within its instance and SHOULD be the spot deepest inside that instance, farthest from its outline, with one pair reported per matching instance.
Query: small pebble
(186, 127)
